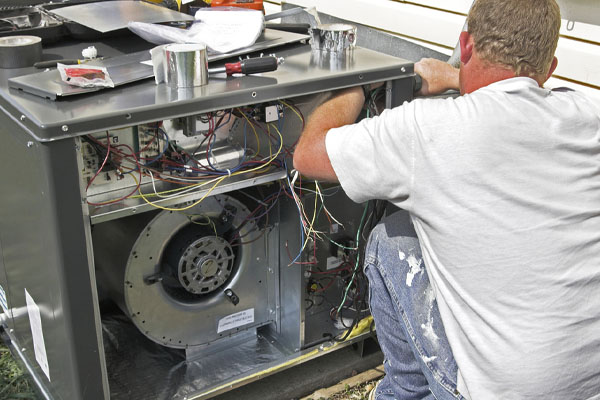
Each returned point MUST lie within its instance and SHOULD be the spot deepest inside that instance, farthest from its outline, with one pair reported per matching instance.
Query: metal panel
(114, 15)
(6, 318)
(45, 252)
(375, 39)
(145, 101)
(130, 68)
(45, 226)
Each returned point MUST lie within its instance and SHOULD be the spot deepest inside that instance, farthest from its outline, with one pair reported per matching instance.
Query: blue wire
(276, 195)
(157, 157)
(226, 122)
(164, 148)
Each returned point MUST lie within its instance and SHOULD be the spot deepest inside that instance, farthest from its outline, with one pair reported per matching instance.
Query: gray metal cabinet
(49, 234)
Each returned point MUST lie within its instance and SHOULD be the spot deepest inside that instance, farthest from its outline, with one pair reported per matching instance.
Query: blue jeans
(418, 360)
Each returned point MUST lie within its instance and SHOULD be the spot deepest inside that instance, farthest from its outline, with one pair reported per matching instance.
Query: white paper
(3, 301)
(236, 320)
(333, 262)
(35, 321)
(221, 30)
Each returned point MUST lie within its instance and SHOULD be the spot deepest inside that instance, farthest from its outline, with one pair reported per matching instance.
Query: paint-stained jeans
(418, 360)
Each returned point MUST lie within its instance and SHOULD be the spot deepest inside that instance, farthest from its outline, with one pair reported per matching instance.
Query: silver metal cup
(186, 65)
(334, 38)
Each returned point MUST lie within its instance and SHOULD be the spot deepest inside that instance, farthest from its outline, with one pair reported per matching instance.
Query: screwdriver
(249, 66)
(52, 63)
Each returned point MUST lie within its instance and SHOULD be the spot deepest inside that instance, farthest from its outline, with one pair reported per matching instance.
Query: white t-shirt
(503, 186)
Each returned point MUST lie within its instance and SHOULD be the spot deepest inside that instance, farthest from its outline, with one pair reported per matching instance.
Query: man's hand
(437, 76)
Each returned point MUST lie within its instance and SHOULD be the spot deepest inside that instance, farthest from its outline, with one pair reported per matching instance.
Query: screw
(30, 144)
(403, 69)
(23, 118)
(64, 128)
(23, 350)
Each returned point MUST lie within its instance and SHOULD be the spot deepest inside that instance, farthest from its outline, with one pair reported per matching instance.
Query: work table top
(303, 72)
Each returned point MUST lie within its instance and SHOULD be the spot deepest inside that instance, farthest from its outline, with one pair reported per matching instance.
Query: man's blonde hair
(519, 34)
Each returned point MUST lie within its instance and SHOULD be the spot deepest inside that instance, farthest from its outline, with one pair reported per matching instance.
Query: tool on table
(251, 4)
(249, 66)
(52, 63)
(288, 27)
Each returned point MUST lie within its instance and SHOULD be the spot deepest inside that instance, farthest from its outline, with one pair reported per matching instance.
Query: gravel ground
(360, 392)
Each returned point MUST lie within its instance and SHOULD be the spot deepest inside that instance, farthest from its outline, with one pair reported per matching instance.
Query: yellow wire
(269, 133)
(219, 180)
(254, 129)
(184, 208)
(292, 108)
(209, 222)
(157, 194)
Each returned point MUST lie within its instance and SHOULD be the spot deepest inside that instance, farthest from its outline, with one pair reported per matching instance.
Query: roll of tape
(186, 65)
(334, 38)
(20, 51)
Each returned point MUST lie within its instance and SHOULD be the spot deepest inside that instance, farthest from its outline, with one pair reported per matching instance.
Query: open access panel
(156, 243)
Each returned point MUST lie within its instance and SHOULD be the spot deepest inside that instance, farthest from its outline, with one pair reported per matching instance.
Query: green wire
(357, 258)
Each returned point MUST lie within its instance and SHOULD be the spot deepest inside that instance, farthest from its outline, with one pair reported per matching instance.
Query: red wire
(133, 191)
(103, 162)
(333, 279)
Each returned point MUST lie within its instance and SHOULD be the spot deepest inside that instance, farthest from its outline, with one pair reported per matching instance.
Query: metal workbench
(46, 246)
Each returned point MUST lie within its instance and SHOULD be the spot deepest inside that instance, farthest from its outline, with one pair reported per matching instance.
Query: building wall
(436, 24)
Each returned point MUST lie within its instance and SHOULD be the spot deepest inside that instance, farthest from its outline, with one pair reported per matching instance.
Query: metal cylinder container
(334, 38)
(186, 65)
(20, 51)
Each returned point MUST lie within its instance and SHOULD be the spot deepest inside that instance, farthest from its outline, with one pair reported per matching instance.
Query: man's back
(506, 202)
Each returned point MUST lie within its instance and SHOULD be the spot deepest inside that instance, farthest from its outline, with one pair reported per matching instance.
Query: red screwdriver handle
(252, 66)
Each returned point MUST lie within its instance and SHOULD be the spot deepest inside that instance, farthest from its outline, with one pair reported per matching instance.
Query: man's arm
(437, 76)
(310, 156)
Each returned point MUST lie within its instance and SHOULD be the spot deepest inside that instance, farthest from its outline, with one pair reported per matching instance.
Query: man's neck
(479, 73)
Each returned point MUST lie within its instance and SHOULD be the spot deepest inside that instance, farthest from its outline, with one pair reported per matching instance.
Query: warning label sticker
(236, 320)
(35, 321)
(3, 302)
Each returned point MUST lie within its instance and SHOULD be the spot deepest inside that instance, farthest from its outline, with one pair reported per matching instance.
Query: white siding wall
(437, 23)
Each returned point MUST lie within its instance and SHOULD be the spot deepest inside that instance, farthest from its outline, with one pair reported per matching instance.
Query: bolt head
(64, 128)
(30, 144)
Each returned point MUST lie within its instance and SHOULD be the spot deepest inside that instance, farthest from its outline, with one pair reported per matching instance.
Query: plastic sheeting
(222, 30)
(140, 369)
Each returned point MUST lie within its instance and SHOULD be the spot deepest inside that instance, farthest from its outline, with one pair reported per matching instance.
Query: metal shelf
(130, 206)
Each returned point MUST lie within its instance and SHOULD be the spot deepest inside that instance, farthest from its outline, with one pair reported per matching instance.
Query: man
(503, 188)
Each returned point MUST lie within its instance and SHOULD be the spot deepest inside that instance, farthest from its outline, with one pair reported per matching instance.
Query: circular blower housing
(181, 268)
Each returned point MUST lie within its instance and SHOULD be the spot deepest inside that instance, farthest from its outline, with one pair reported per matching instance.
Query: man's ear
(466, 47)
(552, 67)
